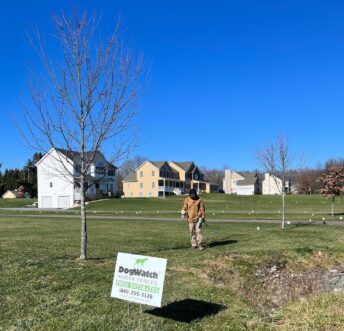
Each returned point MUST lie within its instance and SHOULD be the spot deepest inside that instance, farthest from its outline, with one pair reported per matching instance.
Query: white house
(57, 174)
(272, 185)
(243, 183)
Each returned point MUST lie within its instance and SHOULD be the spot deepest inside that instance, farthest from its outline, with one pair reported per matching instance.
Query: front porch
(170, 187)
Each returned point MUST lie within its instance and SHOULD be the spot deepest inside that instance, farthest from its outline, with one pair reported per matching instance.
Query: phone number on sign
(136, 293)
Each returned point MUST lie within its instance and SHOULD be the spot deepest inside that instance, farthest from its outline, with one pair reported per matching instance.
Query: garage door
(47, 202)
(63, 202)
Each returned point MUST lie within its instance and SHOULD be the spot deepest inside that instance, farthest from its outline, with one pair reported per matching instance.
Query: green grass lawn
(298, 207)
(43, 286)
(15, 203)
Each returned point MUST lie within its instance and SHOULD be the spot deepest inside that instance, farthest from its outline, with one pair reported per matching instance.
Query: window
(141, 185)
(140, 194)
(51, 184)
(131, 194)
(141, 173)
(128, 184)
(111, 173)
(153, 173)
(153, 184)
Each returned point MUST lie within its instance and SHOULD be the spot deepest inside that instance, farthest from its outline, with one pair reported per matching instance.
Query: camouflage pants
(195, 235)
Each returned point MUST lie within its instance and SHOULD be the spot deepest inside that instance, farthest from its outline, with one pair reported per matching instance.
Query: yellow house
(160, 178)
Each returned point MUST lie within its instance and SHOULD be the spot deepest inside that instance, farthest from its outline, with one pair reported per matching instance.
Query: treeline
(25, 178)
(306, 180)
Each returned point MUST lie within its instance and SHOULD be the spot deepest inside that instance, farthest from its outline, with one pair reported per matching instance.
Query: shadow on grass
(221, 243)
(187, 310)
(298, 225)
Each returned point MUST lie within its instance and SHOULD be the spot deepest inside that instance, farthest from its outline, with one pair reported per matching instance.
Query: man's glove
(201, 222)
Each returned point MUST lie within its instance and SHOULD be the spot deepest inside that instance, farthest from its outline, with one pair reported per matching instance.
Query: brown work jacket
(194, 209)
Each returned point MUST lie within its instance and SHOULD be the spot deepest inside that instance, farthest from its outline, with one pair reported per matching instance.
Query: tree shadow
(221, 243)
(187, 310)
(299, 224)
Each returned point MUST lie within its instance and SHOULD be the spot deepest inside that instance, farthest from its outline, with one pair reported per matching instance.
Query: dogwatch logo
(139, 279)
(140, 262)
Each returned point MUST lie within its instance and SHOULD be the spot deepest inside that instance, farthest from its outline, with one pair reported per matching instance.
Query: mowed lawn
(43, 286)
(298, 207)
(16, 203)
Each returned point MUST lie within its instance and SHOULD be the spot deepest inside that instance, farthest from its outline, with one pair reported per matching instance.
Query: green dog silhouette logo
(140, 262)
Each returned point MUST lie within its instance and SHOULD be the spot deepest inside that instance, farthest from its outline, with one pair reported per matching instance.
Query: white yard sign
(139, 279)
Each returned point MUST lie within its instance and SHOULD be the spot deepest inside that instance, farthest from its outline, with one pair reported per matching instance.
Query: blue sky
(227, 76)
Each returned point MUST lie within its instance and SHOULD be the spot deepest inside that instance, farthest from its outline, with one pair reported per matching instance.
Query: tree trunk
(83, 253)
(332, 210)
(283, 210)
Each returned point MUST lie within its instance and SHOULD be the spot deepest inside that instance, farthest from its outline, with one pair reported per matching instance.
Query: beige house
(160, 178)
(10, 194)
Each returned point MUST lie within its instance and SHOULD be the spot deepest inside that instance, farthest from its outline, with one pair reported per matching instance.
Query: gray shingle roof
(249, 178)
(184, 165)
(75, 156)
(158, 164)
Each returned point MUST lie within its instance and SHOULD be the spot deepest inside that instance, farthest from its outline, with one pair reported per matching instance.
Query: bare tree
(333, 183)
(214, 176)
(127, 167)
(85, 98)
(275, 159)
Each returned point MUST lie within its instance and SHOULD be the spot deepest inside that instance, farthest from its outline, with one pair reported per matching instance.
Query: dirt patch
(270, 283)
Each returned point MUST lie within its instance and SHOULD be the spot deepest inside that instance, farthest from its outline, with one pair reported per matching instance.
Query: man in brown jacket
(193, 209)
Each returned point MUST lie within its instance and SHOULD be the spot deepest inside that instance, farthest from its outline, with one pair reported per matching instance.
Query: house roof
(184, 165)
(75, 156)
(131, 177)
(249, 179)
(158, 164)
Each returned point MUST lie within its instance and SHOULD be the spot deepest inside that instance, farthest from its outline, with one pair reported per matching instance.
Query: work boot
(200, 247)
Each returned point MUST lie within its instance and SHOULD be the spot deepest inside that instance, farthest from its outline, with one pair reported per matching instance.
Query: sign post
(139, 279)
